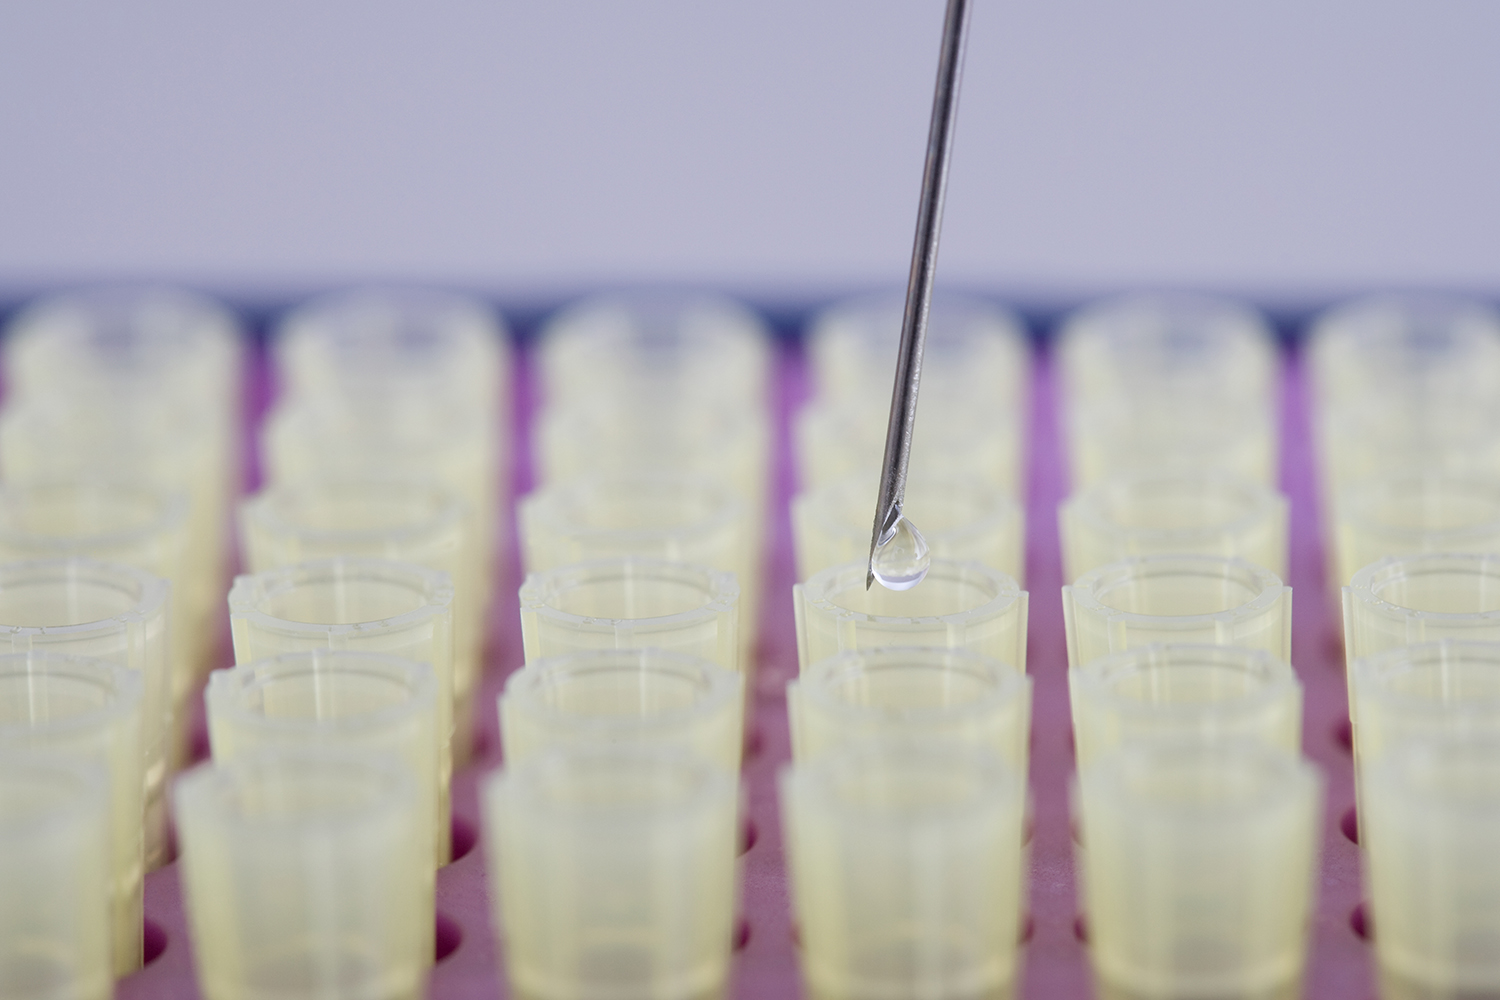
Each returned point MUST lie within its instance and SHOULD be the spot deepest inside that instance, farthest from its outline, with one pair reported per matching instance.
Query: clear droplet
(901, 557)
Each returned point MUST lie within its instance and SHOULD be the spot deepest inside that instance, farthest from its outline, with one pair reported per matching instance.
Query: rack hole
(464, 835)
(1343, 734)
(749, 834)
(1360, 923)
(447, 936)
(153, 941)
(198, 749)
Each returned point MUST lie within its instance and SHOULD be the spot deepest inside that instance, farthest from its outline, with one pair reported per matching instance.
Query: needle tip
(869, 578)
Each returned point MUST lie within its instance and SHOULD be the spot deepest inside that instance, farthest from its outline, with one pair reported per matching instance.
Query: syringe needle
(919, 283)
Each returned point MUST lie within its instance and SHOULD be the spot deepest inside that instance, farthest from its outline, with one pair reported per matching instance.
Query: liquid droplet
(901, 557)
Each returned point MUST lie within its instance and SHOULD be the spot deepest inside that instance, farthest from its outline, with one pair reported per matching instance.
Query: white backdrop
(771, 146)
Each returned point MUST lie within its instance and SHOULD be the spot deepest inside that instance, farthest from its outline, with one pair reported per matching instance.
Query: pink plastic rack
(765, 966)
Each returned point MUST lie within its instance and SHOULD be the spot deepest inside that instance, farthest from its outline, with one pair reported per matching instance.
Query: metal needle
(919, 283)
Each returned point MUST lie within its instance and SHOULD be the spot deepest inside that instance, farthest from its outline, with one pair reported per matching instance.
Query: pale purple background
(522, 146)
